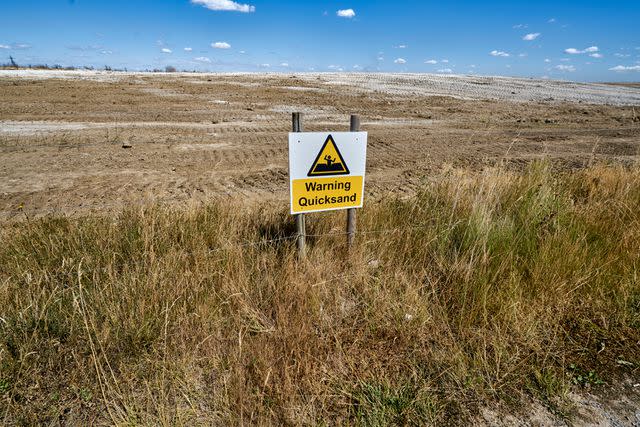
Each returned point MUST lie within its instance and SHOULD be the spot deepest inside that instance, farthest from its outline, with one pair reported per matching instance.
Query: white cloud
(574, 51)
(596, 55)
(16, 46)
(621, 55)
(225, 5)
(106, 52)
(431, 61)
(221, 45)
(622, 68)
(400, 61)
(531, 36)
(499, 53)
(547, 60)
(565, 68)
(202, 59)
(356, 67)
(242, 52)
(446, 71)
(284, 64)
(265, 65)
(402, 46)
(346, 13)
(445, 61)
(551, 21)
(522, 55)
(188, 49)
(520, 26)
(165, 50)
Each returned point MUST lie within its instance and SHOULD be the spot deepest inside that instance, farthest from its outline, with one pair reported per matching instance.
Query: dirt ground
(196, 137)
(612, 405)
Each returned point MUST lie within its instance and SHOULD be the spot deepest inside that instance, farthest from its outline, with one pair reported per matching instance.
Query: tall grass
(484, 286)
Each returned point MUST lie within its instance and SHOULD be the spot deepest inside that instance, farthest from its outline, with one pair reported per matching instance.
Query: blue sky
(577, 40)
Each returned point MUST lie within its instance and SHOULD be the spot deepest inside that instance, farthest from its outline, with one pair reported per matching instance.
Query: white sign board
(326, 170)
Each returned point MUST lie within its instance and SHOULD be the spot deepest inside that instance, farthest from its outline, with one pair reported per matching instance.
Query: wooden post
(351, 213)
(296, 121)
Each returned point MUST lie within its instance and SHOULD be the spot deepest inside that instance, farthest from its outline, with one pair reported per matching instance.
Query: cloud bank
(622, 68)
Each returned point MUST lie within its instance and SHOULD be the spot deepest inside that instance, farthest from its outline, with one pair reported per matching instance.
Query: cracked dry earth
(198, 137)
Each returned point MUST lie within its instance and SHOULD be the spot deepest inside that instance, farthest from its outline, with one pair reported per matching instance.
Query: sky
(584, 40)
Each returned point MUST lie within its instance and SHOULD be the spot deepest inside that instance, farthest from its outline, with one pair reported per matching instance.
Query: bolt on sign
(326, 171)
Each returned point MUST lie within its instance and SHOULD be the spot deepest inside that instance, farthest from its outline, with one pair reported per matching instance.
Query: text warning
(326, 170)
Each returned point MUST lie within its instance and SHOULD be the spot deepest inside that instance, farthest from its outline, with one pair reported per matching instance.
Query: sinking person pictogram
(329, 161)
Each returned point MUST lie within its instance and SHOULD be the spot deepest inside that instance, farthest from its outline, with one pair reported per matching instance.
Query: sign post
(351, 212)
(326, 172)
(296, 119)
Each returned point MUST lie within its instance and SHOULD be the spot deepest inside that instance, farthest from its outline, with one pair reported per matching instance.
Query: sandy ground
(198, 137)
(613, 405)
(458, 86)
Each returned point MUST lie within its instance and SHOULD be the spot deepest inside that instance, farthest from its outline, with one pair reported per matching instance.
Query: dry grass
(485, 286)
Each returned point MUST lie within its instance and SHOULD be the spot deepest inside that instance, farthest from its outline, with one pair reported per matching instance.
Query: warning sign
(329, 161)
(326, 171)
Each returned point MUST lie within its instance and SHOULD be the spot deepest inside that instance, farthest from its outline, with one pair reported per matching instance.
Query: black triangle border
(346, 172)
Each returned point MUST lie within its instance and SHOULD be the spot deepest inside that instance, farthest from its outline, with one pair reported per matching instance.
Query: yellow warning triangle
(329, 161)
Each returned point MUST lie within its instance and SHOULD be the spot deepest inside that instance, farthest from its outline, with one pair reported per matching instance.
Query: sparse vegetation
(484, 286)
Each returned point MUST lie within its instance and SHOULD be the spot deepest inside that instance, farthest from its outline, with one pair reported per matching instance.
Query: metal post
(296, 121)
(351, 213)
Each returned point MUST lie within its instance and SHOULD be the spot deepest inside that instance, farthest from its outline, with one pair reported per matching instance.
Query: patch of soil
(198, 137)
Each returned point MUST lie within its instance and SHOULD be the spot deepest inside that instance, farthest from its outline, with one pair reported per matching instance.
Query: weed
(582, 377)
(378, 404)
(5, 386)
